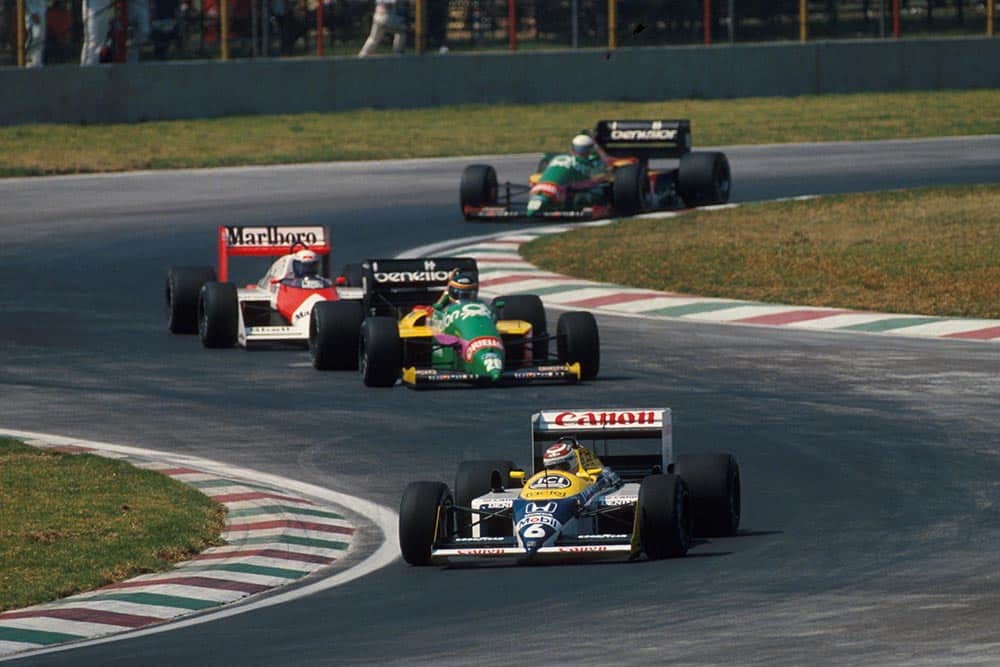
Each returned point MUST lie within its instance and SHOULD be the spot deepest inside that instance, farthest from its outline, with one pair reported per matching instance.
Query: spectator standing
(97, 15)
(59, 28)
(387, 18)
(34, 32)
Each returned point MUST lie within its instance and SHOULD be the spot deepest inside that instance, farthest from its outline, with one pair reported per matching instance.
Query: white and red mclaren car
(294, 300)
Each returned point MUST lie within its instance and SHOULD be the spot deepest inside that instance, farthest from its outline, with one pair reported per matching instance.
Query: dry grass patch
(70, 523)
(933, 251)
(369, 134)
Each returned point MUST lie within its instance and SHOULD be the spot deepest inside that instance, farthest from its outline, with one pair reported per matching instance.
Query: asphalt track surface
(870, 463)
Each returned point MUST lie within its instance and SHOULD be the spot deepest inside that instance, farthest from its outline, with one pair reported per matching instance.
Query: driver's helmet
(562, 455)
(461, 287)
(583, 146)
(305, 263)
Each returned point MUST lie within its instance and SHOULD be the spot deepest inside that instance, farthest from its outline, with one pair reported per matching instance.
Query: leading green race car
(606, 173)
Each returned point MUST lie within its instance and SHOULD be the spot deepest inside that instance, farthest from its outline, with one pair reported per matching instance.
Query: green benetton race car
(606, 174)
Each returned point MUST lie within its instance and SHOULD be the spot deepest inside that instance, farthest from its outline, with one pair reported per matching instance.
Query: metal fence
(195, 29)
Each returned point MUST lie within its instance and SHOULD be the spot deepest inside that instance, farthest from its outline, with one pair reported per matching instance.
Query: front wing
(521, 212)
(427, 377)
(585, 547)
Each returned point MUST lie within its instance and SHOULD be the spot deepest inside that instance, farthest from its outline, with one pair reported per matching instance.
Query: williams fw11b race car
(279, 308)
(604, 484)
(606, 174)
(424, 325)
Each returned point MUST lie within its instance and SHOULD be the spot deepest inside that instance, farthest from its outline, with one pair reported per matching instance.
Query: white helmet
(583, 145)
(305, 263)
(562, 455)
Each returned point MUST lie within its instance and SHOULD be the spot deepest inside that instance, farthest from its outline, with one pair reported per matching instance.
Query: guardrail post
(20, 33)
(512, 24)
(319, 28)
(612, 25)
(708, 21)
(224, 27)
(803, 20)
(990, 11)
(895, 19)
(419, 35)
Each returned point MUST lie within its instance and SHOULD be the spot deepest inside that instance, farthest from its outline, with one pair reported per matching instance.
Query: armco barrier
(197, 89)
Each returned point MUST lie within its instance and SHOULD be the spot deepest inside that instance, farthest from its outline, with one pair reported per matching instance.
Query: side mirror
(517, 475)
(341, 281)
(498, 304)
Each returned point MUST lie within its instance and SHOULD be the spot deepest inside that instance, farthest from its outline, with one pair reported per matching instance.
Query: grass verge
(931, 251)
(71, 523)
(369, 134)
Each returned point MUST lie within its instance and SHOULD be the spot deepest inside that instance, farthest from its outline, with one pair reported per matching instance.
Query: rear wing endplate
(644, 139)
(270, 241)
(592, 426)
(394, 285)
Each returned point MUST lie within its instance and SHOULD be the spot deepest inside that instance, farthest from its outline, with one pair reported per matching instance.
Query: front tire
(419, 511)
(527, 308)
(474, 479)
(664, 521)
(334, 333)
(713, 481)
(182, 290)
(629, 190)
(478, 187)
(579, 341)
(703, 179)
(218, 315)
(380, 357)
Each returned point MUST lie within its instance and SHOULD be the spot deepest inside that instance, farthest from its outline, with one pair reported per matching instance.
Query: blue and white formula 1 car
(604, 484)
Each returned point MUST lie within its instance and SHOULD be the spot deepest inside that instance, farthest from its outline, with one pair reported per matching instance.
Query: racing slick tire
(479, 187)
(352, 274)
(664, 521)
(218, 314)
(380, 352)
(578, 341)
(527, 308)
(629, 189)
(703, 179)
(182, 290)
(474, 479)
(418, 517)
(334, 332)
(713, 481)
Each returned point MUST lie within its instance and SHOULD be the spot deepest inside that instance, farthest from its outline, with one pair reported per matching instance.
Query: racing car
(566, 187)
(604, 484)
(293, 295)
(467, 341)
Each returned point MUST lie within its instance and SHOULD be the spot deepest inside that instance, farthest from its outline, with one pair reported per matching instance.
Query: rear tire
(629, 190)
(478, 187)
(218, 315)
(579, 341)
(713, 480)
(664, 520)
(418, 516)
(182, 290)
(334, 332)
(527, 308)
(703, 179)
(380, 355)
(474, 479)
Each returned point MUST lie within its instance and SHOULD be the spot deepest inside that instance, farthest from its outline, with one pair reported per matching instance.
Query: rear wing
(644, 139)
(634, 442)
(392, 286)
(270, 241)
